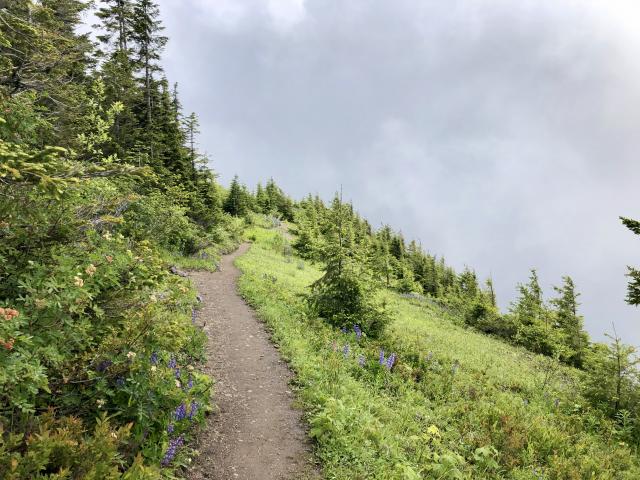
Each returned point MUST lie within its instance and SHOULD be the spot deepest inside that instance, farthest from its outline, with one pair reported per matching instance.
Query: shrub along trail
(256, 433)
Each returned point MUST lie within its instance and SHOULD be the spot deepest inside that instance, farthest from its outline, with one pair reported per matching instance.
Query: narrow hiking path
(255, 433)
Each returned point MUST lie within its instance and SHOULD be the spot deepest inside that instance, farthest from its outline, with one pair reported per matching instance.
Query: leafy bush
(158, 218)
(97, 345)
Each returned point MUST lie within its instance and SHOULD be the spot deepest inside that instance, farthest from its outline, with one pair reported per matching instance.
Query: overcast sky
(504, 135)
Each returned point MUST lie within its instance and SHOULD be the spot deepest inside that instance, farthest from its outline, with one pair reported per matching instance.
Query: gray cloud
(501, 134)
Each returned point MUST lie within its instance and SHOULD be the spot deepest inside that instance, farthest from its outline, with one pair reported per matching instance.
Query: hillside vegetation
(406, 368)
(454, 404)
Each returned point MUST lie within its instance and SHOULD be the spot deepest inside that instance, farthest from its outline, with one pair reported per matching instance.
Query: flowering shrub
(97, 344)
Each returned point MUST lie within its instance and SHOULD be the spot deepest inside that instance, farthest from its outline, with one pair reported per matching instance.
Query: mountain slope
(455, 404)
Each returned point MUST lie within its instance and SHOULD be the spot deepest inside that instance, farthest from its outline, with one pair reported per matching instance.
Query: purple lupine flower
(154, 358)
(391, 361)
(382, 360)
(190, 384)
(194, 410)
(194, 315)
(361, 360)
(177, 371)
(343, 329)
(170, 428)
(174, 444)
(345, 350)
(181, 412)
(358, 330)
(172, 363)
(102, 366)
(120, 382)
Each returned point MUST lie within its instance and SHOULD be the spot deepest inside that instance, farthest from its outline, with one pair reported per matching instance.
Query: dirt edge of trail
(255, 433)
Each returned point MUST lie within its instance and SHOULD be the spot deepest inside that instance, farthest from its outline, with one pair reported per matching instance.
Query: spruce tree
(191, 127)
(569, 322)
(149, 43)
(633, 289)
(235, 204)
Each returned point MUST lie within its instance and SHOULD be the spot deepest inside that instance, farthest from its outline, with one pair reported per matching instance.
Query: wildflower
(177, 372)
(120, 382)
(153, 298)
(194, 410)
(174, 444)
(170, 428)
(433, 430)
(106, 235)
(78, 281)
(391, 361)
(180, 412)
(114, 435)
(90, 270)
(108, 258)
(172, 363)
(178, 384)
(8, 345)
(382, 360)
(100, 402)
(345, 350)
(154, 358)
(358, 330)
(190, 384)
(9, 313)
(102, 366)
(153, 368)
(361, 360)
(343, 329)
(131, 355)
(190, 368)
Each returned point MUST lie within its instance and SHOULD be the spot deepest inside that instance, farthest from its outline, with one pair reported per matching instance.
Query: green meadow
(456, 404)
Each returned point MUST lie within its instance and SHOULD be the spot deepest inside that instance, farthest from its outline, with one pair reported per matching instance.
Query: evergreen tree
(633, 289)
(345, 294)
(535, 327)
(236, 203)
(468, 283)
(116, 26)
(149, 44)
(191, 126)
(569, 322)
(491, 294)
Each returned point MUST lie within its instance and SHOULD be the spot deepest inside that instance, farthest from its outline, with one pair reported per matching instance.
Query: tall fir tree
(149, 44)
(633, 289)
(570, 323)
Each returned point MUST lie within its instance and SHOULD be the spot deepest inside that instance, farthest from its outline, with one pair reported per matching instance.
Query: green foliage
(346, 295)
(633, 290)
(612, 385)
(98, 352)
(237, 202)
(456, 404)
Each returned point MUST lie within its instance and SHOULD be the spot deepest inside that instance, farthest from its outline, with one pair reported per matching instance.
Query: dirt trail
(256, 434)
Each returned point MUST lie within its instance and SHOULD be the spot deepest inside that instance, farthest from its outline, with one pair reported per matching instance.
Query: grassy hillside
(455, 405)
